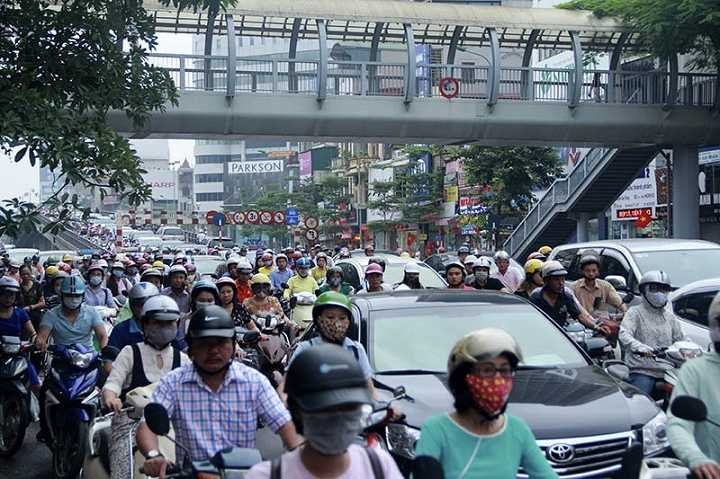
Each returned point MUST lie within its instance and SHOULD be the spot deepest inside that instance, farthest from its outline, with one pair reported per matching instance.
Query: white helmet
(502, 256)
(233, 259)
(470, 259)
(243, 263)
(412, 268)
(161, 308)
(553, 268)
(655, 277)
(483, 262)
(482, 345)
(177, 268)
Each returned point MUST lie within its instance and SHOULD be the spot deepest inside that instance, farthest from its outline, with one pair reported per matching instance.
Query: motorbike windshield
(421, 338)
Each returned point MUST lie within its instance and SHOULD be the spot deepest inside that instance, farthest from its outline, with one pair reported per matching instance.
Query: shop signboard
(452, 194)
(255, 167)
(642, 193)
(470, 205)
(305, 161)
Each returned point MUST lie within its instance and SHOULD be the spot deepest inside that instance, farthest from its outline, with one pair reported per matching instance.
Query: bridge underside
(208, 115)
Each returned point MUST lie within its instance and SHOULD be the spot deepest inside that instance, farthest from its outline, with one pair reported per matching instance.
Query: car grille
(594, 456)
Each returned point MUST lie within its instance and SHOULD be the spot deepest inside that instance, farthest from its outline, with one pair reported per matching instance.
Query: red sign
(449, 87)
(634, 213)
(266, 217)
(311, 222)
(279, 217)
(644, 220)
(238, 218)
(311, 235)
(252, 217)
(210, 215)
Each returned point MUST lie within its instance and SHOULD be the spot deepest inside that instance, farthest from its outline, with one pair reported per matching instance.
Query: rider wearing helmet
(282, 274)
(55, 282)
(198, 395)
(481, 276)
(334, 282)
(73, 321)
(593, 293)
(266, 264)
(204, 293)
(152, 275)
(128, 331)
(327, 394)
(231, 265)
(319, 272)
(374, 276)
(649, 326)
(455, 275)
(469, 262)
(132, 272)
(15, 321)
(227, 290)
(117, 283)
(696, 444)
(545, 250)
(50, 273)
(478, 436)
(508, 276)
(192, 273)
(369, 250)
(138, 365)
(31, 297)
(333, 317)
(558, 301)
(536, 255)
(96, 294)
(302, 282)
(178, 287)
(533, 278)
(244, 273)
(411, 278)
(262, 303)
(463, 252)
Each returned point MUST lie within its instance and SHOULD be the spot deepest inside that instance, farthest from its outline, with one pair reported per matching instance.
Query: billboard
(638, 197)
(163, 184)
(255, 167)
(305, 161)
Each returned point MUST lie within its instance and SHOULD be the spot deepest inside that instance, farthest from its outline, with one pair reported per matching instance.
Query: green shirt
(464, 454)
(697, 443)
(345, 288)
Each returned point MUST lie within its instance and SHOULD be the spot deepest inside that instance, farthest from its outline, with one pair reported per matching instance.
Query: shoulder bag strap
(375, 463)
(276, 468)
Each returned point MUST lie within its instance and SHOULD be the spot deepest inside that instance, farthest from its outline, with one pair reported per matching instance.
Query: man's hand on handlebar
(155, 467)
(707, 471)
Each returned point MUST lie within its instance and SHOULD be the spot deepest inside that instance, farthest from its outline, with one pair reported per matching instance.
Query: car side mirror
(617, 282)
(157, 419)
(618, 371)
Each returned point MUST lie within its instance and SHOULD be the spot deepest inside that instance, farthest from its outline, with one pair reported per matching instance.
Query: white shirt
(156, 364)
(511, 279)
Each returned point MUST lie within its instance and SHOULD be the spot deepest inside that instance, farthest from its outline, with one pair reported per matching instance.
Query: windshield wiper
(409, 372)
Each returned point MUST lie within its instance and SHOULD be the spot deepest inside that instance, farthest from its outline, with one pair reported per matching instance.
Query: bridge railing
(301, 76)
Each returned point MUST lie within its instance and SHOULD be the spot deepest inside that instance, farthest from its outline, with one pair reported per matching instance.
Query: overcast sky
(21, 177)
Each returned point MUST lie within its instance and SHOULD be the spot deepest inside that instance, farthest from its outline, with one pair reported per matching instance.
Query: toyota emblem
(561, 453)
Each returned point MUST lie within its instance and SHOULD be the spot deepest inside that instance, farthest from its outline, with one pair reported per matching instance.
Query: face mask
(133, 272)
(657, 300)
(332, 433)
(303, 273)
(490, 394)
(334, 281)
(118, 274)
(268, 263)
(482, 275)
(203, 304)
(95, 280)
(333, 330)
(72, 302)
(159, 336)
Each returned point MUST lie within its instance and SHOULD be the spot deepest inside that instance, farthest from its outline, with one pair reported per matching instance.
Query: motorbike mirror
(399, 392)
(617, 282)
(109, 353)
(157, 419)
(628, 298)
(427, 467)
(689, 408)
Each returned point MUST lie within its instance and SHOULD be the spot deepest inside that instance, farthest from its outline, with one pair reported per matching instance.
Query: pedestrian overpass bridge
(328, 98)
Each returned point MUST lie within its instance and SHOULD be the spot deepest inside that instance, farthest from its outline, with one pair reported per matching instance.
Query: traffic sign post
(266, 217)
(279, 217)
(311, 235)
(311, 222)
(292, 216)
(449, 87)
(252, 217)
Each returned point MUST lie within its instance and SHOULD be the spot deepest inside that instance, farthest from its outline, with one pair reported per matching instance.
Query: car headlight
(80, 360)
(401, 439)
(654, 435)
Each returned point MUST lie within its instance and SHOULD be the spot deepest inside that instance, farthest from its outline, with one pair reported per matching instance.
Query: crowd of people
(178, 331)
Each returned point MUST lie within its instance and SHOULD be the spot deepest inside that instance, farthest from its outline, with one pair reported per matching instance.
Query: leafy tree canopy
(667, 27)
(64, 65)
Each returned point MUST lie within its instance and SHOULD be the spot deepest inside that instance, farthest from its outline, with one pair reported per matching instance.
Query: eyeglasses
(488, 370)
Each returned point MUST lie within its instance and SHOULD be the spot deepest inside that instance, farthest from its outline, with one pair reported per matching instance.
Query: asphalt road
(33, 460)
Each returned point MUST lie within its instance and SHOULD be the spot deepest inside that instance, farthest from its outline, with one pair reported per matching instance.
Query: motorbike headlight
(80, 360)
(654, 435)
(402, 439)
(10, 348)
(689, 353)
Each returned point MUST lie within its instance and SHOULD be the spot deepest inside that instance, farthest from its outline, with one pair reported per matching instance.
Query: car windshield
(421, 338)
(173, 232)
(19, 254)
(394, 273)
(681, 265)
(207, 265)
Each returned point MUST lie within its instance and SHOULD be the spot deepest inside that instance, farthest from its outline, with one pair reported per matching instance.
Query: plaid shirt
(207, 422)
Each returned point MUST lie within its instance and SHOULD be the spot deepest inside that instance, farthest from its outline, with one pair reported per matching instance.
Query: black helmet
(211, 321)
(326, 376)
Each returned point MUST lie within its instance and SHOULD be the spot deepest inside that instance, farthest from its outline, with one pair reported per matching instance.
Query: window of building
(208, 196)
(209, 178)
(210, 159)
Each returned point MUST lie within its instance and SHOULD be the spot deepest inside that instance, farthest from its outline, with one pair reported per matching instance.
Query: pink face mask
(490, 394)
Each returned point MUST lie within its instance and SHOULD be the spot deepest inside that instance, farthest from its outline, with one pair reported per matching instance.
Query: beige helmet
(714, 319)
(553, 268)
(482, 345)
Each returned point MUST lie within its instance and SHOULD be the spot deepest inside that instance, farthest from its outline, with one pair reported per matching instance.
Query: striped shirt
(207, 421)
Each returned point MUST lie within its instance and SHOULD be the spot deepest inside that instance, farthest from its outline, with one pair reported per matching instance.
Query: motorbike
(70, 402)
(597, 347)
(15, 394)
(272, 347)
(302, 309)
(231, 462)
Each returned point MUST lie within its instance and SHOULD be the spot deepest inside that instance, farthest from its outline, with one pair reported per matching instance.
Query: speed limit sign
(252, 217)
(449, 87)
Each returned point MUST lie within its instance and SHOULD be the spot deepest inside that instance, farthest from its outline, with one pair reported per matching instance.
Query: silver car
(354, 271)
(691, 304)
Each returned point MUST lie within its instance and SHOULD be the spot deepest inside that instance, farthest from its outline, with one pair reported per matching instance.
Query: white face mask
(95, 280)
(72, 302)
(657, 299)
(203, 304)
(482, 275)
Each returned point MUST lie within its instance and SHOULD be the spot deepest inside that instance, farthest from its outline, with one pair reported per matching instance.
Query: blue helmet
(73, 285)
(303, 263)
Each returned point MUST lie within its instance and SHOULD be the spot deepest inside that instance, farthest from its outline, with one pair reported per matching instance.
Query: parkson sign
(255, 167)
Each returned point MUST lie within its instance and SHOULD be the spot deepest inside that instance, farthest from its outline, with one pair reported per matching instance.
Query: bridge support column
(582, 227)
(685, 193)
(603, 226)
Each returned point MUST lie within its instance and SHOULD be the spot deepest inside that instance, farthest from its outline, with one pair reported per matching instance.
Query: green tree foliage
(512, 173)
(667, 27)
(407, 198)
(64, 65)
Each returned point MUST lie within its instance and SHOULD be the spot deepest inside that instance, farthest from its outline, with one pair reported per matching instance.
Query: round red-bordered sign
(210, 215)
(311, 222)
(239, 218)
(279, 217)
(252, 217)
(449, 87)
(311, 235)
(266, 217)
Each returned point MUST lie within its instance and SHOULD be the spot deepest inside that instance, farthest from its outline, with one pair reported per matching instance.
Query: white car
(150, 242)
(691, 304)
(354, 271)
(171, 233)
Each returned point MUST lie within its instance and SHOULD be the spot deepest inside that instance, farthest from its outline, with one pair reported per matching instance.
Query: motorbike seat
(236, 458)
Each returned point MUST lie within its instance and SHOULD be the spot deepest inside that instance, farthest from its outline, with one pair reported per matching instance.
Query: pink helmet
(373, 268)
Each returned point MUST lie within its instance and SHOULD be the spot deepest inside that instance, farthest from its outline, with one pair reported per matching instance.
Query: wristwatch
(152, 454)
